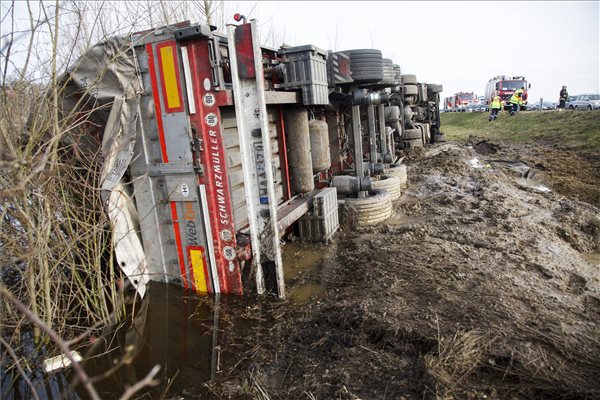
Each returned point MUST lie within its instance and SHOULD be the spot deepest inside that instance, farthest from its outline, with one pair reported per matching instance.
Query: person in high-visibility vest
(516, 100)
(495, 107)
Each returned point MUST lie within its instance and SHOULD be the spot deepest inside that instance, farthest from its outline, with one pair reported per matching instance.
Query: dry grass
(459, 357)
(55, 241)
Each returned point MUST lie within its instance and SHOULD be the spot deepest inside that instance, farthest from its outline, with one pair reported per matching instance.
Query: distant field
(572, 129)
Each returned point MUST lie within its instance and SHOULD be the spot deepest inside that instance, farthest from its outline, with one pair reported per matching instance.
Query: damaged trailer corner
(215, 148)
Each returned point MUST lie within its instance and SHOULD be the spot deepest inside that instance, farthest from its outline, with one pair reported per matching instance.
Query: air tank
(319, 145)
(298, 144)
(346, 184)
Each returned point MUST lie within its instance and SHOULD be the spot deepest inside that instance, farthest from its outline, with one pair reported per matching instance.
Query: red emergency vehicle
(459, 101)
(505, 86)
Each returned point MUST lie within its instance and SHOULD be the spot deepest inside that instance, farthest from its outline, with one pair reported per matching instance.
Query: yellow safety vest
(496, 102)
(516, 99)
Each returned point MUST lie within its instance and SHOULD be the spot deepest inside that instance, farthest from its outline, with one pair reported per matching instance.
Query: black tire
(367, 77)
(589, 108)
(367, 73)
(409, 79)
(571, 108)
(410, 90)
(363, 71)
(366, 65)
(410, 134)
(362, 52)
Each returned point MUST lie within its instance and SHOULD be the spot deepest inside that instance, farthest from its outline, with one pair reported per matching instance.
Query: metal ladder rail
(251, 116)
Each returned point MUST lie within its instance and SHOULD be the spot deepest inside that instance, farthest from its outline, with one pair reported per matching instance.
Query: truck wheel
(589, 108)
(367, 76)
(398, 170)
(390, 183)
(409, 79)
(370, 210)
(409, 134)
(362, 52)
(373, 73)
(366, 65)
(410, 90)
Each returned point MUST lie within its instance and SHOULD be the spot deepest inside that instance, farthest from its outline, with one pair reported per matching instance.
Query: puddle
(196, 339)
(304, 268)
(533, 185)
(520, 168)
(526, 175)
(192, 338)
(592, 258)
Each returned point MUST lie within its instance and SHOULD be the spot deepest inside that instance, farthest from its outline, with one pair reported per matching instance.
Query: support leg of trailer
(382, 135)
(372, 134)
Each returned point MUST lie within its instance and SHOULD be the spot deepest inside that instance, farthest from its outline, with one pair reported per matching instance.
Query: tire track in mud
(476, 286)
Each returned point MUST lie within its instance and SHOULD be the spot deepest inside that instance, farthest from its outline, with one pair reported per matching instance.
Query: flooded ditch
(478, 286)
(197, 339)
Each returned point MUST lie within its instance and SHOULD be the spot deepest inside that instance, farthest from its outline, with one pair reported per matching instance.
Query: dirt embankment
(475, 288)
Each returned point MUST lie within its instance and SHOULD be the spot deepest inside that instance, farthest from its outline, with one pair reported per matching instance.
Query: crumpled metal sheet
(103, 87)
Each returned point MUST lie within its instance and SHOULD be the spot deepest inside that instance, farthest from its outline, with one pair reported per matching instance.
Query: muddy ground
(483, 284)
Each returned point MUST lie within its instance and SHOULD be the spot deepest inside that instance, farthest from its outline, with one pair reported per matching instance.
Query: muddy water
(195, 339)
(592, 258)
(304, 270)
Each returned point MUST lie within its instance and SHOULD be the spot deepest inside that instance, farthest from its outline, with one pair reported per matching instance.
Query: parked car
(585, 102)
(546, 105)
(477, 108)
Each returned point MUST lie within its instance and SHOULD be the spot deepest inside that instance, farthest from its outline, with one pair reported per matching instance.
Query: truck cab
(505, 86)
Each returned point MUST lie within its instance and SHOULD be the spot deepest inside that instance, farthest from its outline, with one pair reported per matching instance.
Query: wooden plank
(292, 210)
(278, 97)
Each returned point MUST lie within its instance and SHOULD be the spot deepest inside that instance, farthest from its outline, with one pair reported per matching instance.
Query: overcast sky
(458, 44)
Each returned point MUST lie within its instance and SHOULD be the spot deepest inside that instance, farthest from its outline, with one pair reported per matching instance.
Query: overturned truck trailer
(215, 148)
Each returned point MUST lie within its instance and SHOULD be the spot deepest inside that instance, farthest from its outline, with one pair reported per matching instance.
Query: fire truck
(505, 86)
(459, 101)
(216, 148)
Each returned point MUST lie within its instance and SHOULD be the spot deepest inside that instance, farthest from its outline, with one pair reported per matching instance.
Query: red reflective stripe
(157, 109)
(179, 247)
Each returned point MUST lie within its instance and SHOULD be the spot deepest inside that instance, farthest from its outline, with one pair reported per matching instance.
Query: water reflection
(305, 268)
(197, 339)
(592, 258)
(192, 338)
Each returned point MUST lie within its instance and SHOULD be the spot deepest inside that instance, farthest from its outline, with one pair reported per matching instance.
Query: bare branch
(56, 339)
(147, 381)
